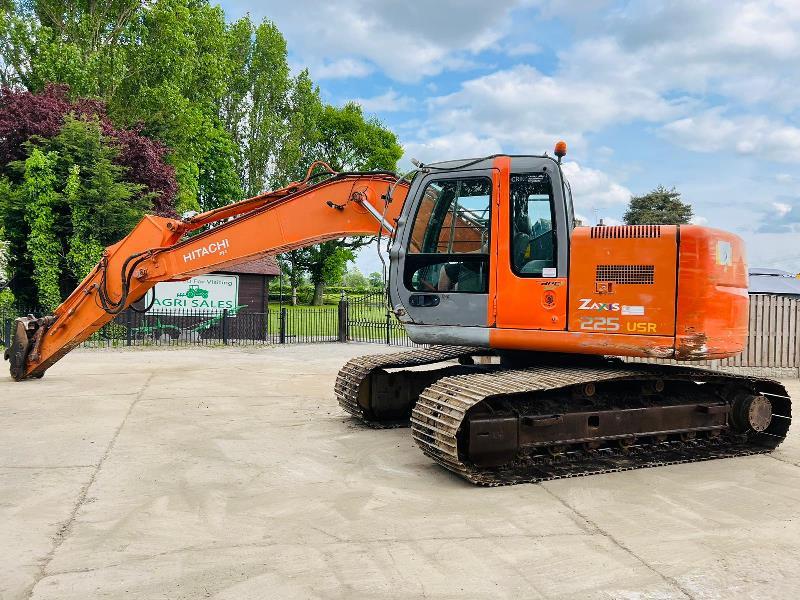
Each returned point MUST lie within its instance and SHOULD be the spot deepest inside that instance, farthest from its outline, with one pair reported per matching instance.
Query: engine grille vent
(626, 231)
(626, 274)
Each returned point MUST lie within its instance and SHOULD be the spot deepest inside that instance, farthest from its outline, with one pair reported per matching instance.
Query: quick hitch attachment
(25, 342)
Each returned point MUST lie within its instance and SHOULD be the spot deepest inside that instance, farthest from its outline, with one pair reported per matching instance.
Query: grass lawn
(366, 322)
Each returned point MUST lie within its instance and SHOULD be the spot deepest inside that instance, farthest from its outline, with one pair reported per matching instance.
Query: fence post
(282, 333)
(225, 326)
(388, 325)
(128, 326)
(797, 335)
(7, 332)
(343, 315)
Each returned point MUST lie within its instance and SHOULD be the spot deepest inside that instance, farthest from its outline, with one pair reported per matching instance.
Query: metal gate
(369, 319)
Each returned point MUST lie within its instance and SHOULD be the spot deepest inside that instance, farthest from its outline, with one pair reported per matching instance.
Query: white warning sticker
(632, 311)
(724, 253)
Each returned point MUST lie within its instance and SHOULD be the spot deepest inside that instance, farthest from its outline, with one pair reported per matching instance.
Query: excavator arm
(163, 249)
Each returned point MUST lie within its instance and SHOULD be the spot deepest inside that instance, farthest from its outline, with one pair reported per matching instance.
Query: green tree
(348, 142)
(293, 266)
(375, 280)
(326, 263)
(219, 95)
(42, 244)
(67, 202)
(7, 299)
(6, 296)
(84, 249)
(354, 279)
(260, 106)
(4, 276)
(78, 43)
(103, 206)
(178, 77)
(265, 125)
(163, 64)
(661, 206)
(81, 250)
(351, 143)
(19, 269)
(301, 146)
(218, 181)
(238, 53)
(14, 31)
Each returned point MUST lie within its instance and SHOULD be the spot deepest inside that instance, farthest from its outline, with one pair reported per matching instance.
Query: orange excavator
(521, 313)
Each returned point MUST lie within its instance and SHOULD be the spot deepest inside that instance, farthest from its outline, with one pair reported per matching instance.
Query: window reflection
(532, 236)
(451, 276)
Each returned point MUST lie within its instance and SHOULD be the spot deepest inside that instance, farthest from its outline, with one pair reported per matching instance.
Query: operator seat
(521, 240)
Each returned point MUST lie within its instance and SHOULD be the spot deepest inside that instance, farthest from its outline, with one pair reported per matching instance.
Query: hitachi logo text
(220, 248)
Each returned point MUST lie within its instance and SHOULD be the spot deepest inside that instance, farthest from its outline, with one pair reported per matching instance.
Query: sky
(703, 96)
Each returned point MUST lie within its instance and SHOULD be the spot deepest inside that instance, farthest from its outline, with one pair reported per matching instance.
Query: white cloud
(523, 49)
(527, 111)
(644, 61)
(522, 110)
(451, 146)
(782, 208)
(748, 50)
(592, 188)
(712, 131)
(405, 40)
(698, 220)
(341, 69)
(783, 216)
(389, 101)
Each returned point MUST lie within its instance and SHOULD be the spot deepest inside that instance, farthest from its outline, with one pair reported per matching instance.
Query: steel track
(441, 409)
(352, 381)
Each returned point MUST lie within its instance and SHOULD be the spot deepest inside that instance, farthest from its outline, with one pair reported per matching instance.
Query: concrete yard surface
(232, 474)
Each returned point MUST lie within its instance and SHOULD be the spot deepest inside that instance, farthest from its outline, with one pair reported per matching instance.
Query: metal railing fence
(187, 327)
(773, 343)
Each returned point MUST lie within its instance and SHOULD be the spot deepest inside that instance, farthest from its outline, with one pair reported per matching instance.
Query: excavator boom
(159, 249)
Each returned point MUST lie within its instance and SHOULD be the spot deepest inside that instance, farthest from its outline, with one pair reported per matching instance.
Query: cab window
(449, 245)
(533, 241)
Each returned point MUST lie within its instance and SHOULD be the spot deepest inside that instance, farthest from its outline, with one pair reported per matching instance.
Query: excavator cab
(467, 224)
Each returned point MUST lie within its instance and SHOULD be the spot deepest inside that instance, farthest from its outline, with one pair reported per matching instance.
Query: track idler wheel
(752, 413)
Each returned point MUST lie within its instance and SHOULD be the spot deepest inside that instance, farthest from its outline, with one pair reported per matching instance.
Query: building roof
(263, 265)
(763, 271)
(773, 281)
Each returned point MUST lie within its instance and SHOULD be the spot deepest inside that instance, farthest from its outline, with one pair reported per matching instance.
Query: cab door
(441, 259)
(533, 246)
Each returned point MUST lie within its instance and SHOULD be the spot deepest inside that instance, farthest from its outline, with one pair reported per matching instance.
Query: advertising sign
(212, 293)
